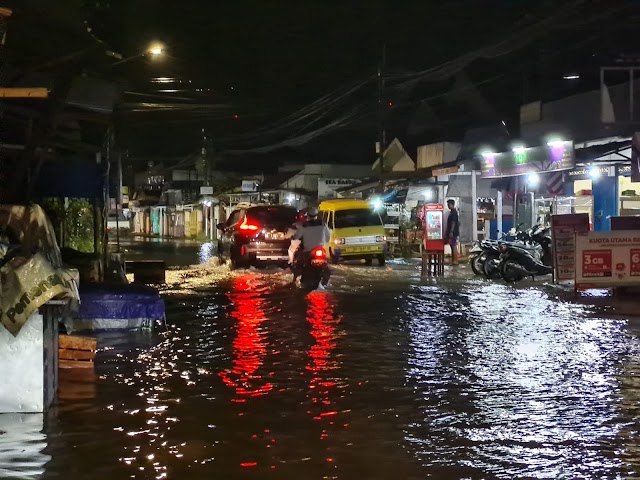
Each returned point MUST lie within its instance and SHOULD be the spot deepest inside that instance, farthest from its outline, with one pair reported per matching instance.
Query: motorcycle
(484, 255)
(314, 269)
(475, 257)
(531, 259)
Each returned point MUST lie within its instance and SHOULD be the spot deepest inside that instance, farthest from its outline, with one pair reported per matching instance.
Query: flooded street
(380, 376)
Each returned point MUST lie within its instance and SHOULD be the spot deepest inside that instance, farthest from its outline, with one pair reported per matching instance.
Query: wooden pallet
(76, 352)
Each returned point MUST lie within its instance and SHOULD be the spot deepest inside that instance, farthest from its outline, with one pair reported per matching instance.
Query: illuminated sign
(624, 170)
(558, 155)
(590, 172)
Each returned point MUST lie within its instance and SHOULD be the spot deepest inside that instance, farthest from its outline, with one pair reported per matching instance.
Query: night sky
(263, 61)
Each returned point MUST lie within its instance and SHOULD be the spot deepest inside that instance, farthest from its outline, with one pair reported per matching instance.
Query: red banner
(596, 263)
(634, 262)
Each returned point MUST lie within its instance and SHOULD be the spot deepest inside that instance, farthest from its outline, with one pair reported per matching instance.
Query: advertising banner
(607, 259)
(554, 156)
(327, 187)
(432, 216)
(250, 185)
(563, 232)
(29, 283)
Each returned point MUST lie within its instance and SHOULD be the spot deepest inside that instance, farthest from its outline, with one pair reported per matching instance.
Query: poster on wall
(607, 259)
(563, 232)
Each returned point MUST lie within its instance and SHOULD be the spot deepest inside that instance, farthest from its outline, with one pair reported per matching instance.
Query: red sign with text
(635, 262)
(433, 224)
(596, 263)
(607, 259)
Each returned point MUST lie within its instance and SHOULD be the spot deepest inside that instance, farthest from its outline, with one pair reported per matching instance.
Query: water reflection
(320, 316)
(205, 252)
(22, 442)
(249, 346)
(372, 379)
(528, 386)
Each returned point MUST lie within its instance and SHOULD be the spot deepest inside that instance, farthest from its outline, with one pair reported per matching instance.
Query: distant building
(395, 159)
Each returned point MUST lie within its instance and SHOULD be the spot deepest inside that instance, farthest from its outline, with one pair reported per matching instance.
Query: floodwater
(380, 376)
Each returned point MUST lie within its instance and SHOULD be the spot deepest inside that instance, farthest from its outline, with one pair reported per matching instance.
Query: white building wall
(23, 367)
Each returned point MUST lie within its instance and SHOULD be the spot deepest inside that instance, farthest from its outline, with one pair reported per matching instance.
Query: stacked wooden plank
(76, 351)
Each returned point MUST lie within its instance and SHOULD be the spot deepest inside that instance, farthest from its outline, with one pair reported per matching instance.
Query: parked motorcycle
(314, 269)
(531, 259)
(475, 257)
(488, 250)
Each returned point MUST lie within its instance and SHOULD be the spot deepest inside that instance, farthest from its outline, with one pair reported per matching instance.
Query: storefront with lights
(525, 177)
(601, 185)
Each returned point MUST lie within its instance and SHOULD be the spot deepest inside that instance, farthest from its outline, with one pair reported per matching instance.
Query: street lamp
(155, 50)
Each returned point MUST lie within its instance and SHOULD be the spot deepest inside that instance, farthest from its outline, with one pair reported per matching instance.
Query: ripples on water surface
(379, 377)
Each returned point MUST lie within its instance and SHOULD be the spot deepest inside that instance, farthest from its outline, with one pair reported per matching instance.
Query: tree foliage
(73, 222)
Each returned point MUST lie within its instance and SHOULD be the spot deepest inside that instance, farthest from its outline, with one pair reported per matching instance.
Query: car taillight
(246, 225)
(318, 252)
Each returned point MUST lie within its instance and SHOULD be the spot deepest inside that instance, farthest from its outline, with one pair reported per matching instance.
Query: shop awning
(589, 154)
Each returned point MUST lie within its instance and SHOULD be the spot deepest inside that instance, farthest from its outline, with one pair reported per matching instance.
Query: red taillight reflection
(322, 367)
(246, 225)
(318, 252)
(249, 346)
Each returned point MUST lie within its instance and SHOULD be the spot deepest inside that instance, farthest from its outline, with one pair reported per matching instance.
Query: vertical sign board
(607, 259)
(563, 232)
(432, 220)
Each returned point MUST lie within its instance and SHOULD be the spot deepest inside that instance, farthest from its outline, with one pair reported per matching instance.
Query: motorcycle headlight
(339, 241)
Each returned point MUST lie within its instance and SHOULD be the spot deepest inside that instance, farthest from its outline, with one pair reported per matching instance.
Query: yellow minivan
(357, 230)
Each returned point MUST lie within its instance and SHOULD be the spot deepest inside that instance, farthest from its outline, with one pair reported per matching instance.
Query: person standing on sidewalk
(453, 231)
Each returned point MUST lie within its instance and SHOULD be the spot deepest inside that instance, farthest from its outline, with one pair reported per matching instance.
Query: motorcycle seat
(530, 247)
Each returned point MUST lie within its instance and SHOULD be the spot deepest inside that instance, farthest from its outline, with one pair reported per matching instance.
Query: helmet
(312, 212)
(302, 216)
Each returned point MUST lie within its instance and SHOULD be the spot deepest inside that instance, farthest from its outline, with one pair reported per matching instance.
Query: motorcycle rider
(313, 233)
(295, 244)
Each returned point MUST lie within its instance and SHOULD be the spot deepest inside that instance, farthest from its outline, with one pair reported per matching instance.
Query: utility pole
(381, 115)
(207, 153)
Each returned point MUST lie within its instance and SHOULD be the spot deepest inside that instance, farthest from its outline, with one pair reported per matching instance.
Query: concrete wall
(29, 364)
(436, 154)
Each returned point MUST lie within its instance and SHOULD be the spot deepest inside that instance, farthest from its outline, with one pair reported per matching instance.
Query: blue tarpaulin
(117, 306)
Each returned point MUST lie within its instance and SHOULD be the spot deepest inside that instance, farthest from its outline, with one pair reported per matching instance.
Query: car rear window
(359, 217)
(273, 216)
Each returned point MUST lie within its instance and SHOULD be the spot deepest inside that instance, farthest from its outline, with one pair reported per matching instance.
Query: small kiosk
(433, 253)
